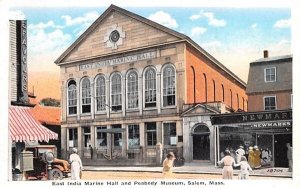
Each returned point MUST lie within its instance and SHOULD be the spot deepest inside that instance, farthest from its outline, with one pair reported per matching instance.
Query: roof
(274, 59)
(48, 115)
(24, 127)
(153, 24)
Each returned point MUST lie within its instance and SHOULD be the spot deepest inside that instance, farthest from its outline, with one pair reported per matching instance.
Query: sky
(234, 36)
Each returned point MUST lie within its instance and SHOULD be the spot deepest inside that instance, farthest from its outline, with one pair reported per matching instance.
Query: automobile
(46, 165)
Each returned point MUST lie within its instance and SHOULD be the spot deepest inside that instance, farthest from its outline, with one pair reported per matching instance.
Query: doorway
(280, 149)
(201, 147)
(201, 142)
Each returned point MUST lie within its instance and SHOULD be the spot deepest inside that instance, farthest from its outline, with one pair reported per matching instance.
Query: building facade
(124, 84)
(268, 122)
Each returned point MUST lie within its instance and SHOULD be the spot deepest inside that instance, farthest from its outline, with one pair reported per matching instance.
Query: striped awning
(23, 126)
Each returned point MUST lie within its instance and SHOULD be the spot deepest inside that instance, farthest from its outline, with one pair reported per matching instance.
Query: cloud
(254, 26)
(282, 47)
(198, 31)
(212, 20)
(16, 15)
(88, 18)
(41, 42)
(164, 19)
(284, 23)
(42, 25)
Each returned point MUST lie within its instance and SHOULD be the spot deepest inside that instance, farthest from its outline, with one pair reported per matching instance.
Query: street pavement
(194, 168)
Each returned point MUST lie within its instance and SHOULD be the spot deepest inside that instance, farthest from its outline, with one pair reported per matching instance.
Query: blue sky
(234, 36)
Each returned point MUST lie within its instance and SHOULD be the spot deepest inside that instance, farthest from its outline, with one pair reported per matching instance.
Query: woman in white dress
(228, 163)
(76, 165)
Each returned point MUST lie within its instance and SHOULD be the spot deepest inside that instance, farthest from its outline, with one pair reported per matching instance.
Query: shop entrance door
(201, 147)
(280, 149)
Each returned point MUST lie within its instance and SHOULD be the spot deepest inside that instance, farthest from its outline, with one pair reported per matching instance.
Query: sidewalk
(194, 168)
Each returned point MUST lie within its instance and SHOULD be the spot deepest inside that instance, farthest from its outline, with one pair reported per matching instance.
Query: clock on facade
(114, 37)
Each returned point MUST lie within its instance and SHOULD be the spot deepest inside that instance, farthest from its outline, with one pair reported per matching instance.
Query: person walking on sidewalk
(239, 153)
(245, 168)
(228, 163)
(76, 165)
(168, 165)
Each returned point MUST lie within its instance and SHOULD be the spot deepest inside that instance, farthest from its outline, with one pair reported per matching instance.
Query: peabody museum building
(129, 84)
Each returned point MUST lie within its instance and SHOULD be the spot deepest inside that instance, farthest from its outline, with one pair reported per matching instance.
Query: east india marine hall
(126, 84)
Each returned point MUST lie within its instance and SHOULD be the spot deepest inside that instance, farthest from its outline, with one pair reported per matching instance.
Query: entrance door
(280, 149)
(201, 149)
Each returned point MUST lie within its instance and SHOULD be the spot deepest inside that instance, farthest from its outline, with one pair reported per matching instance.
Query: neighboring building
(268, 124)
(125, 83)
(24, 129)
(270, 84)
(49, 117)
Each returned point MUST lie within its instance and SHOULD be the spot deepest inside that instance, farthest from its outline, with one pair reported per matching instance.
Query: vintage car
(46, 165)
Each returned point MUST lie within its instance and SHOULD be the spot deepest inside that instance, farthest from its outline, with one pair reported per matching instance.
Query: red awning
(23, 126)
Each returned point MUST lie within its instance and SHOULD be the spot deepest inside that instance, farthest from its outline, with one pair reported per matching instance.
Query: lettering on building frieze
(119, 60)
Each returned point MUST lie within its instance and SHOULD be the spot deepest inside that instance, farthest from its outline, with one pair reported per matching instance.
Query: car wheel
(55, 174)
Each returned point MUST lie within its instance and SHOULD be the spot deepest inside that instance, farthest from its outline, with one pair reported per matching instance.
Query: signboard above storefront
(256, 118)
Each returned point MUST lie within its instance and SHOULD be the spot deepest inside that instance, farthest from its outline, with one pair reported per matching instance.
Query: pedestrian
(239, 153)
(289, 155)
(245, 168)
(168, 165)
(76, 165)
(257, 155)
(251, 156)
(228, 162)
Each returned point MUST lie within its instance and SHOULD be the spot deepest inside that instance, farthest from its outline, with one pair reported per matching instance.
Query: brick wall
(203, 66)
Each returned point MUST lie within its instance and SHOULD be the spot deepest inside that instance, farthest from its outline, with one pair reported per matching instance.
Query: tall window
(230, 98)
(117, 136)
(170, 133)
(243, 103)
(116, 92)
(100, 93)
(132, 89)
(73, 137)
(133, 135)
(214, 85)
(101, 136)
(205, 87)
(72, 97)
(169, 86)
(270, 102)
(270, 74)
(150, 88)
(238, 101)
(223, 94)
(86, 136)
(151, 133)
(86, 95)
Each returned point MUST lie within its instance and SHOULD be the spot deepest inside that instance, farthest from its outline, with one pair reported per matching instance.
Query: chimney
(266, 54)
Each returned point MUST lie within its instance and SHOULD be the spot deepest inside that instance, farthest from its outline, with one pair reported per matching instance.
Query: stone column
(92, 98)
(158, 92)
(78, 98)
(93, 139)
(63, 141)
(159, 129)
(123, 87)
(107, 97)
(140, 93)
(159, 154)
(64, 102)
(80, 145)
(124, 141)
(142, 142)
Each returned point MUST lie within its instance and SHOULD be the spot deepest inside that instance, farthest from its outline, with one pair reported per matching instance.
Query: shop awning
(23, 126)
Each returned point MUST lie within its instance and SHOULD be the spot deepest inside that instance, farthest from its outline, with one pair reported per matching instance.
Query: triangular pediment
(199, 109)
(118, 30)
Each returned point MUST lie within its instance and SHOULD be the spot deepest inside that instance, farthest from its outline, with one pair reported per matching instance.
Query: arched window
(214, 92)
(223, 94)
(116, 92)
(230, 98)
(72, 98)
(86, 95)
(238, 101)
(169, 86)
(194, 83)
(150, 88)
(205, 87)
(243, 103)
(100, 93)
(132, 89)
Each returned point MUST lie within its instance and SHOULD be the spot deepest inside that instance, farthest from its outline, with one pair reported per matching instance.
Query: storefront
(269, 130)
